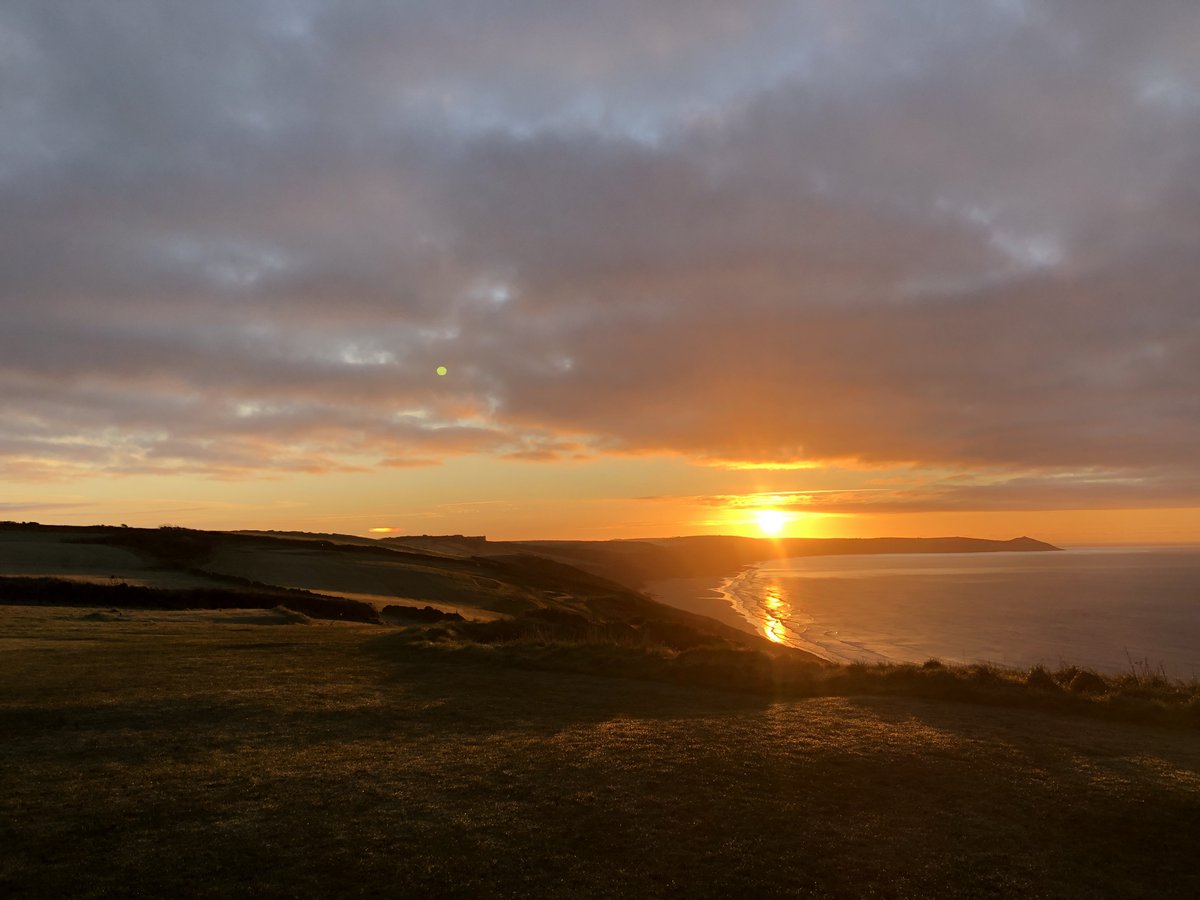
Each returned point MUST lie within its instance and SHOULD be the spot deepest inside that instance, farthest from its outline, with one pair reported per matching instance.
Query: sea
(1112, 609)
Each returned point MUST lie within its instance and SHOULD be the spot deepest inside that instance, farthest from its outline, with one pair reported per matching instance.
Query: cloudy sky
(890, 266)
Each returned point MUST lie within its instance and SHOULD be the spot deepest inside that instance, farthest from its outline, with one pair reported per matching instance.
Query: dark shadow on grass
(548, 689)
(1096, 788)
(423, 695)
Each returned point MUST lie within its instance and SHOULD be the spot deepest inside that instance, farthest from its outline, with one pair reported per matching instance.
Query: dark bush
(1041, 680)
(1085, 682)
(497, 631)
(59, 592)
(418, 614)
(981, 674)
(1063, 676)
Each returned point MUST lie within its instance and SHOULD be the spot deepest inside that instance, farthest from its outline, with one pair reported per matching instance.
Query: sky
(878, 266)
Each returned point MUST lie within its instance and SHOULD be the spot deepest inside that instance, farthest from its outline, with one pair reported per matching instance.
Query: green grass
(189, 754)
(47, 553)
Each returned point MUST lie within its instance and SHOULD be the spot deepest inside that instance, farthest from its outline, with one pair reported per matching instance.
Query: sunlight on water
(1111, 611)
(776, 612)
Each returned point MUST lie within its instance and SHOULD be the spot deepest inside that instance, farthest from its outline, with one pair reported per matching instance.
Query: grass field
(41, 553)
(205, 754)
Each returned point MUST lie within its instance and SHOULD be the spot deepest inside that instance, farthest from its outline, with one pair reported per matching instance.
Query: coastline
(700, 595)
(735, 600)
(772, 614)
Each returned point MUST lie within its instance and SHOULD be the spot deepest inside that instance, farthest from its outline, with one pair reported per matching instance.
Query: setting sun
(771, 522)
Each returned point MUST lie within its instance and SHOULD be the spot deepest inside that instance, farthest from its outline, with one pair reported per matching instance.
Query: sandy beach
(704, 596)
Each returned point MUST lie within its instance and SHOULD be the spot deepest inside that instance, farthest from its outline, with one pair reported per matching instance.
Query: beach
(704, 596)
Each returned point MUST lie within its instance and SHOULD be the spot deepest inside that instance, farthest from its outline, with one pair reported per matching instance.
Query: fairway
(199, 754)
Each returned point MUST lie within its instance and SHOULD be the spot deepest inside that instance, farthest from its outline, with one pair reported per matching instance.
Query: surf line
(763, 607)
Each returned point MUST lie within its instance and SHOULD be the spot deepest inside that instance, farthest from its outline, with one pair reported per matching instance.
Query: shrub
(982, 674)
(1041, 680)
(395, 612)
(1085, 682)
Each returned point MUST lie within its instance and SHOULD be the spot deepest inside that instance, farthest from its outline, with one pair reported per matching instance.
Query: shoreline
(702, 596)
(732, 600)
(778, 620)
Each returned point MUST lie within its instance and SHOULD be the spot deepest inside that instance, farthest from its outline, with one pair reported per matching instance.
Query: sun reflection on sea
(777, 612)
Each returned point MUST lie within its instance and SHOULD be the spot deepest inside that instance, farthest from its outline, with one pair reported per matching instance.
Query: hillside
(175, 568)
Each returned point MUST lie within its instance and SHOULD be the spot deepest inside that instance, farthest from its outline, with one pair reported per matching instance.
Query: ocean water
(1109, 609)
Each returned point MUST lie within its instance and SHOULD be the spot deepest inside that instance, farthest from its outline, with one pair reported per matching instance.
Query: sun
(771, 522)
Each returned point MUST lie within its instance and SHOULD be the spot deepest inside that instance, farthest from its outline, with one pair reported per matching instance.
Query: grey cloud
(961, 234)
(1177, 488)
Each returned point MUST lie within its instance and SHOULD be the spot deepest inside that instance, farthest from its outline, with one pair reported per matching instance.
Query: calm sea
(1107, 609)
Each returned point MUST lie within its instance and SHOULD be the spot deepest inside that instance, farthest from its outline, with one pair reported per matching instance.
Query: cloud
(925, 493)
(38, 505)
(238, 239)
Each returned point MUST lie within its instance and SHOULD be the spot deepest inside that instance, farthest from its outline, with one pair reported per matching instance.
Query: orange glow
(525, 501)
(753, 515)
(735, 466)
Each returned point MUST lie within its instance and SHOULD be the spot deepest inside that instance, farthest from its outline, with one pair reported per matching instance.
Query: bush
(417, 614)
(46, 591)
(1085, 682)
(1041, 680)
(982, 674)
